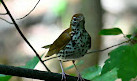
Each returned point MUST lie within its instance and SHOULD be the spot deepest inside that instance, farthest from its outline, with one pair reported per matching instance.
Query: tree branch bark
(35, 74)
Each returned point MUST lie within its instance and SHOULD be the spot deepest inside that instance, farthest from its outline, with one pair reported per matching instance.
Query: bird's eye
(74, 18)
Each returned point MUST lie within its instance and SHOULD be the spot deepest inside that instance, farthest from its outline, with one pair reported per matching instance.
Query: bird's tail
(47, 46)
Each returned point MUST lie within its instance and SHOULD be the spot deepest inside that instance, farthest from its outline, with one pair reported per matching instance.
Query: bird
(72, 44)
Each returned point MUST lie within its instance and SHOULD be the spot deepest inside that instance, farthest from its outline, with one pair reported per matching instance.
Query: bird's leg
(78, 73)
(63, 73)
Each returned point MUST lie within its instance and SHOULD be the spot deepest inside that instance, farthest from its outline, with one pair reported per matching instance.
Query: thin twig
(108, 47)
(6, 20)
(50, 58)
(30, 11)
(3, 13)
(18, 29)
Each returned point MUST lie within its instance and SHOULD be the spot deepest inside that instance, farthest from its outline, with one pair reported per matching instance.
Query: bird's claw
(80, 78)
(63, 77)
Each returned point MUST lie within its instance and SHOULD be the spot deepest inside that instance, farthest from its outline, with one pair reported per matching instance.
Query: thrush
(73, 43)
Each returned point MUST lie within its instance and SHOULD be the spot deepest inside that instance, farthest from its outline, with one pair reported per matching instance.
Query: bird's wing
(60, 42)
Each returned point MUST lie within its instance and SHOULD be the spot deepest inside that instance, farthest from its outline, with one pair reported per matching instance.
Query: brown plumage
(60, 42)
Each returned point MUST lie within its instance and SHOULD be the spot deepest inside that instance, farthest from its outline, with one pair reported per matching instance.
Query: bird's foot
(80, 78)
(63, 77)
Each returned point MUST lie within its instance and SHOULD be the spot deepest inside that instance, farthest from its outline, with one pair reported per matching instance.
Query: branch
(3, 13)
(50, 58)
(6, 20)
(18, 29)
(108, 47)
(30, 11)
(35, 74)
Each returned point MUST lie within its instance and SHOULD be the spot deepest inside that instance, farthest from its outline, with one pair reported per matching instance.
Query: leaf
(125, 59)
(91, 72)
(128, 36)
(32, 63)
(112, 31)
(109, 76)
(4, 77)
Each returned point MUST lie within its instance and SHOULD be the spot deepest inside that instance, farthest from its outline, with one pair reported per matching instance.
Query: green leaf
(32, 63)
(128, 36)
(109, 76)
(112, 31)
(4, 77)
(91, 72)
(125, 59)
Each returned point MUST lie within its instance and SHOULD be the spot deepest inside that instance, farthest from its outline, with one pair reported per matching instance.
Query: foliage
(112, 31)
(30, 64)
(109, 76)
(4, 77)
(125, 59)
(91, 72)
(128, 36)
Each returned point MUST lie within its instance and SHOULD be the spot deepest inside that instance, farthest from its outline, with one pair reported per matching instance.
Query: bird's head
(77, 20)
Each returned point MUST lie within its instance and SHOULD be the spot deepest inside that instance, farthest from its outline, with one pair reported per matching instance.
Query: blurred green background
(51, 17)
